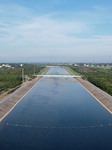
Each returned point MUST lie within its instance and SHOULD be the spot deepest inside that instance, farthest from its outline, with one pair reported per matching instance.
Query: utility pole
(23, 75)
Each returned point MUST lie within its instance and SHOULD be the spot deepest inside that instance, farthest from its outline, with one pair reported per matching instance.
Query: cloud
(47, 34)
(38, 29)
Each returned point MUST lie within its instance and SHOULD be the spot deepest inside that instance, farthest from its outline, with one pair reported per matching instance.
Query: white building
(21, 65)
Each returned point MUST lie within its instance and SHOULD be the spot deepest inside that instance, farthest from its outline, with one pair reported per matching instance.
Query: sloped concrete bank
(8, 105)
(103, 98)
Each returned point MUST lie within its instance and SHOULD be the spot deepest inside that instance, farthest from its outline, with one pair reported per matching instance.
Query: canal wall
(8, 105)
(102, 97)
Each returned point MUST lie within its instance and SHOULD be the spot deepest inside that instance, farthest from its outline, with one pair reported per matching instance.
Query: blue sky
(56, 30)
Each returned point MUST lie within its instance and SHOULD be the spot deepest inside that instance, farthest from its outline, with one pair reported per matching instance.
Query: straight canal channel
(57, 114)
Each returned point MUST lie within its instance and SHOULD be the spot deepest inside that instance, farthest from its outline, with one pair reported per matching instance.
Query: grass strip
(72, 71)
(42, 71)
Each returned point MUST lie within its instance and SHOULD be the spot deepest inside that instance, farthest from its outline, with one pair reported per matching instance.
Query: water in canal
(57, 114)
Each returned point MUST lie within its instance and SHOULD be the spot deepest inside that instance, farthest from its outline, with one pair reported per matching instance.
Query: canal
(57, 114)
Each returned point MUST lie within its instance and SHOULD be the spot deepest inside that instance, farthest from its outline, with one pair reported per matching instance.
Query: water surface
(64, 113)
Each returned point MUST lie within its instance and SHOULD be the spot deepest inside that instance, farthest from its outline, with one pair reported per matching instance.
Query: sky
(56, 31)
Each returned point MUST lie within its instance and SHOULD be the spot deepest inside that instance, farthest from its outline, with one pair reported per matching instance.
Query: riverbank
(6, 94)
(68, 69)
(102, 97)
(100, 77)
(8, 104)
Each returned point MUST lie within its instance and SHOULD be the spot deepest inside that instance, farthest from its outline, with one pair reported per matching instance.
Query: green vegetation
(8, 80)
(11, 91)
(101, 77)
(11, 78)
(71, 70)
(41, 71)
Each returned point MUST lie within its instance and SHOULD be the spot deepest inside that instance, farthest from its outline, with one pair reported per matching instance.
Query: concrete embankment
(103, 98)
(8, 105)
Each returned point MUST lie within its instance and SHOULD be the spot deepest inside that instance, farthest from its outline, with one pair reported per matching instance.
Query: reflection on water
(57, 71)
(53, 108)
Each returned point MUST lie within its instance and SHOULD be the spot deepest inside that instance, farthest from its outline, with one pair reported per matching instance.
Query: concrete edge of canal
(103, 98)
(98, 95)
(7, 106)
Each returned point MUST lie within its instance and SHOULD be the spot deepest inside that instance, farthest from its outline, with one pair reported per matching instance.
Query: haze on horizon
(55, 30)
